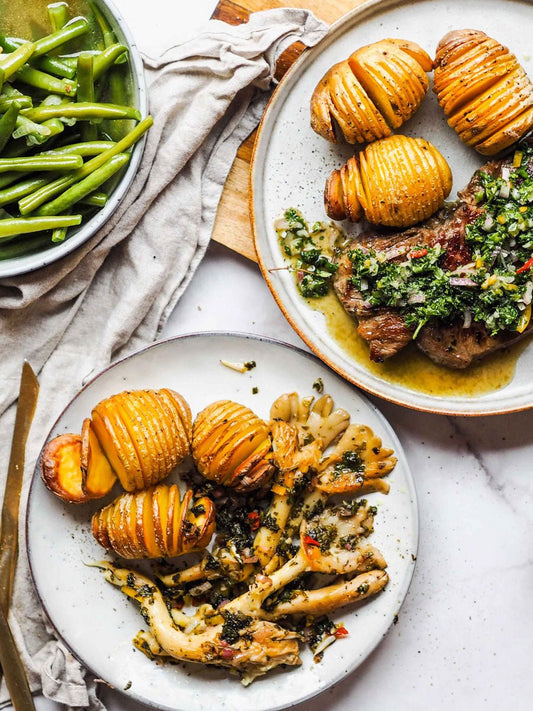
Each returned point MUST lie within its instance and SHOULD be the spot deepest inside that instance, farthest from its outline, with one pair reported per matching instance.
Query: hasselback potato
(155, 523)
(138, 436)
(232, 446)
(485, 93)
(397, 182)
(379, 87)
(144, 434)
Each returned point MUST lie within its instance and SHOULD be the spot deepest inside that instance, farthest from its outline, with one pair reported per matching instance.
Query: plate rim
(407, 580)
(355, 16)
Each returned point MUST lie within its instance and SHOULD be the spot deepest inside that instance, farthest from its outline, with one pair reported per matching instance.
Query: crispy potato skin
(378, 88)
(485, 94)
(232, 446)
(396, 182)
(155, 523)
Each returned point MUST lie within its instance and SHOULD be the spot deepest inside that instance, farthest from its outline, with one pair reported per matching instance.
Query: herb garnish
(234, 622)
(310, 250)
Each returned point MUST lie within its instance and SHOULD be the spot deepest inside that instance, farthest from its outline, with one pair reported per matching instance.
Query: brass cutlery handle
(14, 672)
(10, 661)
(27, 401)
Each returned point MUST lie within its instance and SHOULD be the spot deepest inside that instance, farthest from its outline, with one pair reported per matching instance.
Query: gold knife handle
(14, 673)
(27, 401)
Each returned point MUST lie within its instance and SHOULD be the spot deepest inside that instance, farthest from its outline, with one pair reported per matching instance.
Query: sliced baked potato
(485, 94)
(397, 181)
(155, 523)
(377, 88)
(232, 446)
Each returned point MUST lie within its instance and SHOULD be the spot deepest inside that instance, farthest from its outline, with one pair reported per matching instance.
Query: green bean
(108, 35)
(7, 124)
(56, 39)
(86, 186)
(107, 58)
(36, 133)
(10, 92)
(59, 234)
(32, 202)
(88, 148)
(24, 187)
(82, 110)
(96, 199)
(46, 63)
(24, 102)
(71, 60)
(49, 162)
(58, 15)
(55, 127)
(12, 62)
(24, 225)
(25, 127)
(17, 248)
(46, 82)
(8, 178)
(85, 79)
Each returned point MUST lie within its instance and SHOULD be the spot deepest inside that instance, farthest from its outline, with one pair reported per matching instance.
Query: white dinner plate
(291, 163)
(98, 622)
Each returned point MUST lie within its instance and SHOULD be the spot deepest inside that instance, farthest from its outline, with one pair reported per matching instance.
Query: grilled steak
(384, 328)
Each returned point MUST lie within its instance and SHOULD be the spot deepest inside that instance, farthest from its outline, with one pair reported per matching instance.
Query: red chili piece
(254, 519)
(341, 632)
(417, 253)
(308, 540)
(525, 266)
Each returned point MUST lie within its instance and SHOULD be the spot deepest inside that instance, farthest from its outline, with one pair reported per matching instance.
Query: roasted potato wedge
(75, 468)
(232, 446)
(61, 468)
(377, 88)
(397, 182)
(98, 477)
(155, 523)
(485, 94)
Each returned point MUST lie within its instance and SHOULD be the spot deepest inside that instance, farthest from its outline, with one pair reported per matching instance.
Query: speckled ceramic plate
(290, 167)
(98, 623)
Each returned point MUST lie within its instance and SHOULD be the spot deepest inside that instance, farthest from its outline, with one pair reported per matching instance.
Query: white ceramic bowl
(79, 235)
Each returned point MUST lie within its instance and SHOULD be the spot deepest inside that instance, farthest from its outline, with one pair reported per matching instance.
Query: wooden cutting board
(232, 224)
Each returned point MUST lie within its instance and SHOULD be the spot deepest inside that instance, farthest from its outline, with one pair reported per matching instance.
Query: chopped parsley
(234, 623)
(350, 462)
(495, 288)
(310, 250)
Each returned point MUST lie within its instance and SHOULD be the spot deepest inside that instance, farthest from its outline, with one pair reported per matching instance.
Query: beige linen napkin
(113, 295)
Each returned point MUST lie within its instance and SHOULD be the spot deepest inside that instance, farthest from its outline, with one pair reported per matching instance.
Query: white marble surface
(464, 638)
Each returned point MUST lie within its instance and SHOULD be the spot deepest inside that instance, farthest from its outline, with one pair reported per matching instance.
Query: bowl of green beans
(73, 121)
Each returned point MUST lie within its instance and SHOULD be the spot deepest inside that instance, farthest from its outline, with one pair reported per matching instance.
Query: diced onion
(395, 252)
(505, 190)
(324, 644)
(489, 222)
(416, 299)
(467, 321)
(462, 281)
